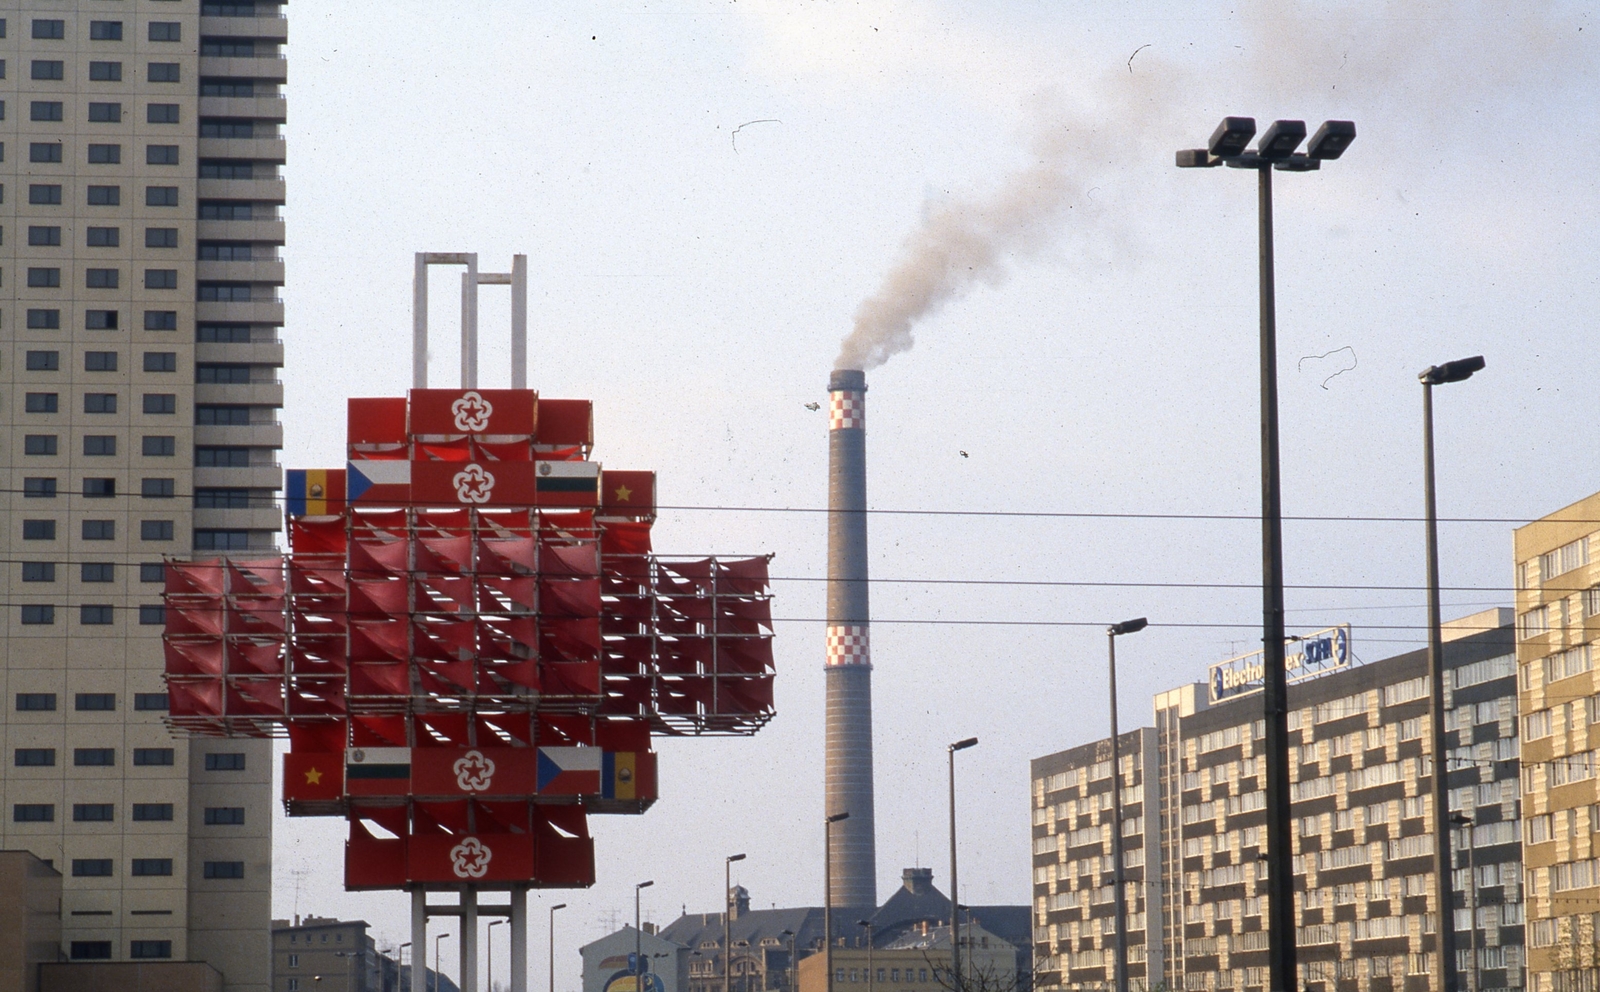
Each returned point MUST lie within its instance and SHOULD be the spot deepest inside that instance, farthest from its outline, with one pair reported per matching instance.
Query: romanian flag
(314, 492)
(619, 775)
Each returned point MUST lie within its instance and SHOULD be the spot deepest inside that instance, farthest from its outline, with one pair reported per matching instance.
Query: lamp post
(1112, 633)
(868, 925)
(827, 892)
(727, 916)
(1443, 862)
(955, 910)
(488, 963)
(638, 961)
(436, 939)
(790, 935)
(1462, 820)
(1274, 151)
(559, 905)
(400, 956)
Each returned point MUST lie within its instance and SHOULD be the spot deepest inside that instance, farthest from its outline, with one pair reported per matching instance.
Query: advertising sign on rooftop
(1318, 654)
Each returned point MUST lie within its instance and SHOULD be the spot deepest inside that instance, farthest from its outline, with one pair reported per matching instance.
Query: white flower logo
(470, 858)
(473, 772)
(472, 412)
(473, 484)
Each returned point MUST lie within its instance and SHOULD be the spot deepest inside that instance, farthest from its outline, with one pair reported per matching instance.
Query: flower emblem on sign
(470, 858)
(473, 484)
(472, 412)
(473, 772)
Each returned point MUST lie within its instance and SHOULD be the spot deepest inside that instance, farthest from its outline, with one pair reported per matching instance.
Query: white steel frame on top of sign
(1325, 651)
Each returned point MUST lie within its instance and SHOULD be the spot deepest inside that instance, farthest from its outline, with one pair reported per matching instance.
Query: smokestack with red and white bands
(853, 868)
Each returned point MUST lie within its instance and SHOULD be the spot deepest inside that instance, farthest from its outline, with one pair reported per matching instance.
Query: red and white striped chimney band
(847, 410)
(848, 644)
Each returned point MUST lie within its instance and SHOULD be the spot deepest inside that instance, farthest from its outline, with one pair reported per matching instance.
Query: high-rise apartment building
(1558, 614)
(140, 150)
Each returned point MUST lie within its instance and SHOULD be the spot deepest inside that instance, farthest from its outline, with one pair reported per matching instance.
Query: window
(105, 30)
(239, 291)
(227, 88)
(107, 72)
(229, 49)
(155, 530)
(105, 154)
(38, 530)
(92, 812)
(224, 816)
(161, 196)
(99, 402)
(96, 488)
(94, 757)
(224, 869)
(38, 487)
(105, 113)
(160, 403)
(36, 702)
(221, 373)
(223, 333)
(48, 69)
(104, 237)
(44, 320)
(222, 415)
(161, 320)
(35, 757)
(43, 361)
(150, 948)
(41, 403)
(97, 571)
(156, 489)
(161, 113)
(39, 236)
(38, 571)
(150, 701)
(94, 614)
(1564, 559)
(152, 615)
(225, 761)
(101, 278)
(227, 170)
(152, 812)
(219, 457)
(161, 361)
(91, 950)
(44, 151)
(99, 445)
(91, 868)
(166, 31)
(152, 571)
(45, 110)
(160, 278)
(147, 867)
(44, 194)
(44, 278)
(39, 444)
(226, 211)
(33, 813)
(105, 196)
(37, 614)
(161, 237)
(94, 702)
(99, 530)
(49, 30)
(159, 446)
(162, 72)
(152, 756)
(100, 320)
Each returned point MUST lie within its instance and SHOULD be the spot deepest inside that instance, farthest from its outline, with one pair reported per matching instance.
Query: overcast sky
(707, 191)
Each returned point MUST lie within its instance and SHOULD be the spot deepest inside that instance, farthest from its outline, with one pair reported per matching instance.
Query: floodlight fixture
(1128, 626)
(1232, 135)
(963, 745)
(1461, 368)
(1281, 139)
(1331, 139)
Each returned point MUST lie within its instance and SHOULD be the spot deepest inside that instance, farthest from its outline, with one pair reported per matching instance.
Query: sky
(708, 191)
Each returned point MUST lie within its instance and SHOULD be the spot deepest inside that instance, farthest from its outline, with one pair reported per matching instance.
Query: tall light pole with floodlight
(827, 892)
(727, 917)
(436, 963)
(638, 962)
(1275, 151)
(488, 965)
(1112, 633)
(559, 905)
(955, 909)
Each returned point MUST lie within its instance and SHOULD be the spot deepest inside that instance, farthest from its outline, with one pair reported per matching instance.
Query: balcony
(253, 353)
(254, 149)
(269, 393)
(261, 108)
(261, 27)
(270, 190)
(239, 311)
(248, 476)
(268, 68)
(267, 270)
(270, 231)
(253, 518)
(269, 435)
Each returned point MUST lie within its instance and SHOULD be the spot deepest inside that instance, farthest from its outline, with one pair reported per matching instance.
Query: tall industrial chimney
(853, 867)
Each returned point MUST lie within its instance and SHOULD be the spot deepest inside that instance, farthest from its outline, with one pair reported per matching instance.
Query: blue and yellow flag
(314, 492)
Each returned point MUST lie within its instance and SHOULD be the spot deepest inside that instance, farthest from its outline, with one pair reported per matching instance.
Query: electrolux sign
(1325, 651)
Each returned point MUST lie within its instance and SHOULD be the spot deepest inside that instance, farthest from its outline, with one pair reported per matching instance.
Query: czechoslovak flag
(375, 480)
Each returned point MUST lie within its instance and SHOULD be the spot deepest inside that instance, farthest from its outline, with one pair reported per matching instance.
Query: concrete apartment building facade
(139, 348)
(1558, 614)
(1362, 856)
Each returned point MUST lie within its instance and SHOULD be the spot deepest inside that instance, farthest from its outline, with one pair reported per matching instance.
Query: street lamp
(488, 964)
(400, 956)
(436, 972)
(638, 961)
(559, 905)
(827, 892)
(955, 911)
(868, 925)
(1275, 151)
(790, 935)
(1112, 633)
(1462, 820)
(1443, 862)
(727, 916)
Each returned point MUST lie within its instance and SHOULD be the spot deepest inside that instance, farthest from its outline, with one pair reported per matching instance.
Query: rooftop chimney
(917, 880)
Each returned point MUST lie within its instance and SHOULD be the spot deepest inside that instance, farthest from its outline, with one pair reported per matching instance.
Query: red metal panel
(462, 772)
(472, 484)
(473, 411)
(566, 422)
(376, 420)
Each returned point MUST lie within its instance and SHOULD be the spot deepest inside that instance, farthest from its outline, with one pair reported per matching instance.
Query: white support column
(519, 324)
(519, 918)
(469, 324)
(469, 939)
(419, 912)
(419, 323)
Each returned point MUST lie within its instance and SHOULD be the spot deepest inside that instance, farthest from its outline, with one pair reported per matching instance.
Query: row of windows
(49, 195)
(92, 571)
(100, 950)
(97, 361)
(55, 29)
(45, 487)
(97, 530)
(89, 702)
(151, 446)
(98, 320)
(47, 152)
(90, 615)
(49, 277)
(49, 236)
(216, 816)
(152, 867)
(102, 72)
(154, 403)
(54, 111)
(45, 757)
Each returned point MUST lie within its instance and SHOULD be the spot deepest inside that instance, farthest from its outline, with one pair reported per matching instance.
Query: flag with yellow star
(313, 777)
(628, 494)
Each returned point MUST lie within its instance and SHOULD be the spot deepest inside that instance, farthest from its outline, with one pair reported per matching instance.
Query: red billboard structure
(469, 646)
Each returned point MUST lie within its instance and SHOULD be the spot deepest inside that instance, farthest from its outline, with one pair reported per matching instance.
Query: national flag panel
(314, 492)
(378, 771)
(628, 493)
(567, 483)
(379, 480)
(569, 771)
(313, 777)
